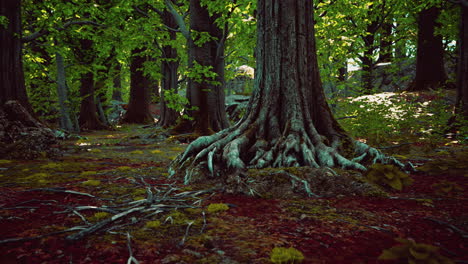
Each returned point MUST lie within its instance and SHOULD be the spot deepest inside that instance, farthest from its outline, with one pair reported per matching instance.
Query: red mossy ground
(326, 230)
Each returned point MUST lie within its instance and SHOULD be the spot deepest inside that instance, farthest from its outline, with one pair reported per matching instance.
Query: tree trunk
(169, 68)
(117, 91)
(288, 122)
(462, 74)
(430, 71)
(207, 95)
(88, 112)
(385, 50)
(366, 60)
(62, 92)
(138, 107)
(12, 85)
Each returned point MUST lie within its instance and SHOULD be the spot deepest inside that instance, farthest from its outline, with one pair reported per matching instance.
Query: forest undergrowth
(108, 199)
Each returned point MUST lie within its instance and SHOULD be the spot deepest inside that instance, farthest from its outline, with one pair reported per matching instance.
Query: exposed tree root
(235, 150)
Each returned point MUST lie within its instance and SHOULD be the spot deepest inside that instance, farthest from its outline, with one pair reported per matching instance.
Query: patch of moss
(153, 224)
(124, 168)
(137, 152)
(5, 162)
(281, 255)
(99, 216)
(91, 183)
(389, 176)
(156, 151)
(217, 207)
(88, 173)
(413, 252)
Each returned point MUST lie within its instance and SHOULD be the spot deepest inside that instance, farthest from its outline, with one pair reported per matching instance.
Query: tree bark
(12, 84)
(366, 60)
(208, 94)
(138, 107)
(62, 92)
(88, 112)
(169, 68)
(430, 71)
(288, 122)
(462, 74)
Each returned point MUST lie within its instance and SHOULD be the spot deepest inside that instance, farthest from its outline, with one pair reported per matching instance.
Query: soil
(114, 171)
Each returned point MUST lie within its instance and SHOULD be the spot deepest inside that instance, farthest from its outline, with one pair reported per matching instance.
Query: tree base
(232, 153)
(22, 136)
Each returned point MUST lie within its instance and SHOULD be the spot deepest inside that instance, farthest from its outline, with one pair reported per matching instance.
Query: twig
(23, 239)
(182, 242)
(454, 228)
(368, 226)
(204, 222)
(131, 258)
(60, 190)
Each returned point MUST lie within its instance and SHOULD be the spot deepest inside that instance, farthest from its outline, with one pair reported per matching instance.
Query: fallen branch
(24, 239)
(96, 227)
(454, 228)
(61, 190)
(131, 258)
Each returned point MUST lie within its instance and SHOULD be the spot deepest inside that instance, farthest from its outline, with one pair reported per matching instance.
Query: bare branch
(179, 19)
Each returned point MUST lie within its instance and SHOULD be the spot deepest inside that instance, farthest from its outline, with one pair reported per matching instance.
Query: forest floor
(91, 205)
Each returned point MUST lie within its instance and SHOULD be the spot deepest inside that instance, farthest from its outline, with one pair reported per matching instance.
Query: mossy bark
(288, 121)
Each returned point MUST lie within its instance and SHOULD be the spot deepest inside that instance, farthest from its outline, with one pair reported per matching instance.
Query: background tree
(430, 67)
(138, 107)
(288, 122)
(12, 84)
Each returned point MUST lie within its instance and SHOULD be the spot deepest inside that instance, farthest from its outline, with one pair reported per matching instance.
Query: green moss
(5, 162)
(389, 176)
(88, 173)
(99, 216)
(217, 207)
(153, 224)
(281, 255)
(91, 183)
(413, 252)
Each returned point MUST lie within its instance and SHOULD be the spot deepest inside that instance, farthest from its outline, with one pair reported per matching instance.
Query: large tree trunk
(367, 61)
(207, 95)
(88, 112)
(430, 71)
(288, 122)
(169, 68)
(138, 107)
(12, 85)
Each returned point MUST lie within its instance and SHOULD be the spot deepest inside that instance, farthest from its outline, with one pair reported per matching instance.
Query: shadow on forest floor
(109, 200)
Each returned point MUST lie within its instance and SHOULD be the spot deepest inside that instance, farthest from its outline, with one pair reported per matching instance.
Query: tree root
(234, 150)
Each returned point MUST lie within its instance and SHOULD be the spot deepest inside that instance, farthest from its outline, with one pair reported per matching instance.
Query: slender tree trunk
(138, 106)
(117, 91)
(462, 74)
(62, 91)
(207, 95)
(385, 50)
(88, 112)
(430, 71)
(288, 121)
(169, 69)
(12, 85)
(366, 60)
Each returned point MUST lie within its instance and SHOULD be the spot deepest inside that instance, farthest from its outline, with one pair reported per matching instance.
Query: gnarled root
(235, 149)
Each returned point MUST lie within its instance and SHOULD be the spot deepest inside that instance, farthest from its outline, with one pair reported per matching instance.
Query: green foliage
(99, 216)
(388, 175)
(281, 255)
(177, 102)
(217, 207)
(414, 253)
(4, 22)
(200, 74)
